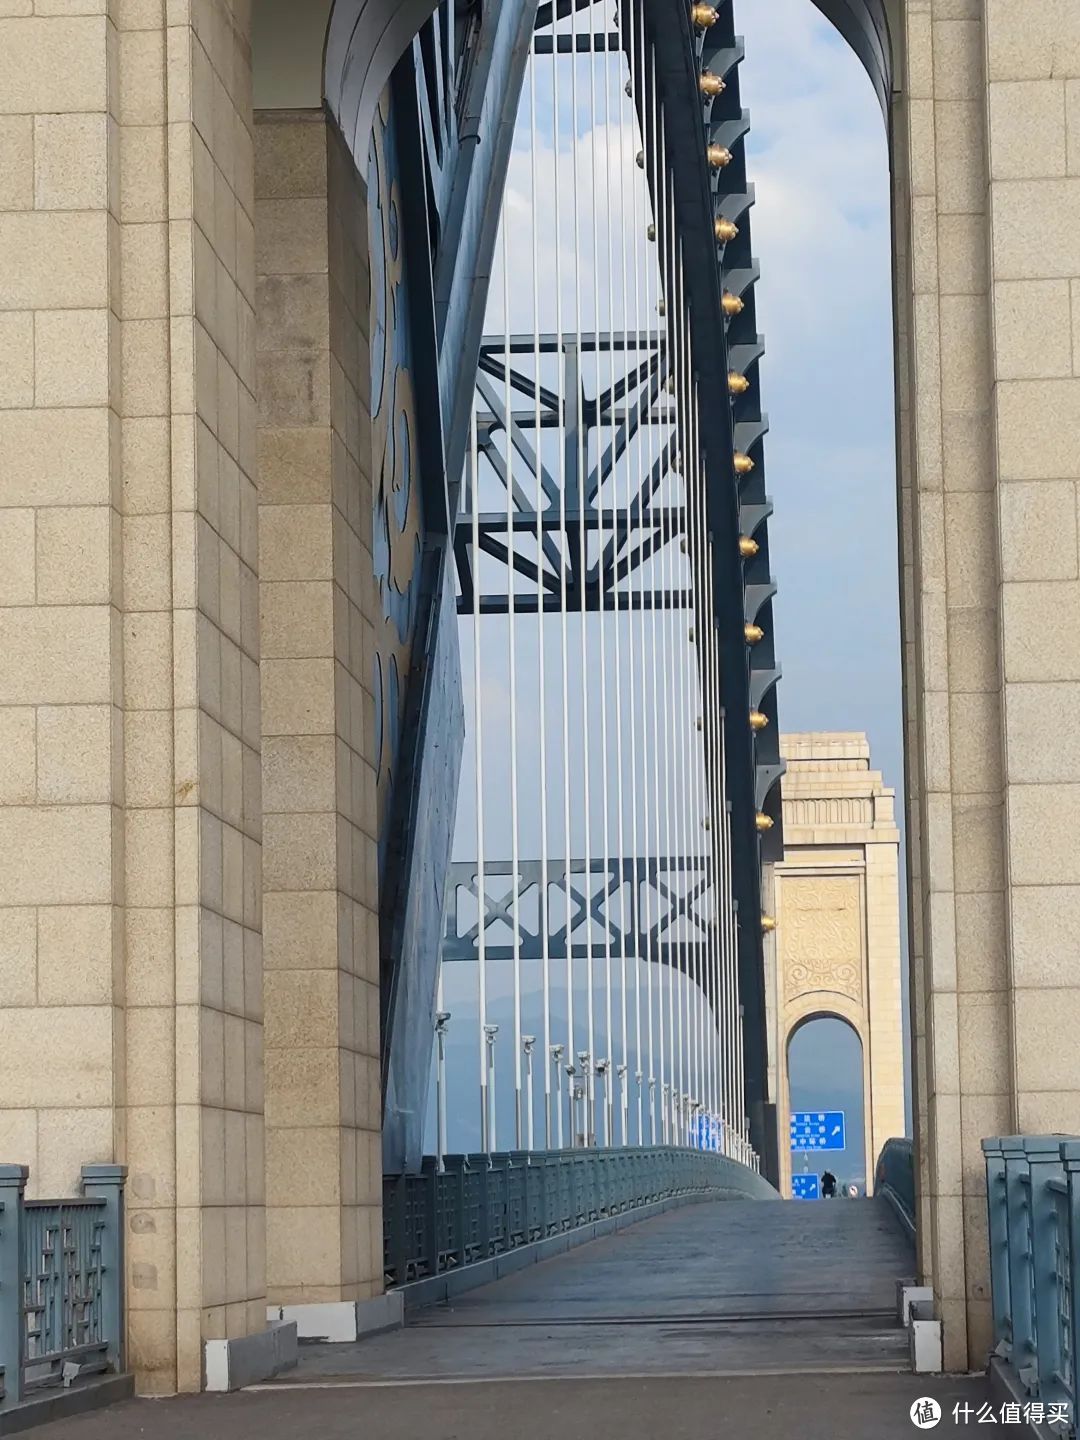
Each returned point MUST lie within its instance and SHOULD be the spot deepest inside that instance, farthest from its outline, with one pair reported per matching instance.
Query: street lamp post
(527, 1043)
(602, 1067)
(586, 1073)
(442, 1020)
(490, 1031)
(556, 1056)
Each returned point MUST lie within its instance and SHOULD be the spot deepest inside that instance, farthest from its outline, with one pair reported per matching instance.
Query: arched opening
(825, 1077)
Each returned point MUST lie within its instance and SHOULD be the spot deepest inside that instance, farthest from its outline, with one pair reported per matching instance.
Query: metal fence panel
(1033, 1221)
(61, 1282)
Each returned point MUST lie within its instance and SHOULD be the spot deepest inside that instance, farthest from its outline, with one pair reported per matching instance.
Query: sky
(817, 157)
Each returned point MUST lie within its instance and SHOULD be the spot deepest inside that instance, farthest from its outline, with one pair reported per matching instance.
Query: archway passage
(141, 804)
(825, 1077)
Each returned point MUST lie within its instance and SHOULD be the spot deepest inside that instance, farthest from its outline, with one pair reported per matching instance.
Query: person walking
(828, 1185)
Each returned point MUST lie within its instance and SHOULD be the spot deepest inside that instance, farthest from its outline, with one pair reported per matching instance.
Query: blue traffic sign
(817, 1130)
(705, 1134)
(805, 1187)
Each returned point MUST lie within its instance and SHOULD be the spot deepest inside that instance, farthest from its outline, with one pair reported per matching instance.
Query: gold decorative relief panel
(821, 935)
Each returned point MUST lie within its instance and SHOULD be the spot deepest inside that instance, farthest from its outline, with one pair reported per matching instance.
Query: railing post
(1018, 1219)
(12, 1187)
(997, 1218)
(1070, 1159)
(1044, 1161)
(106, 1182)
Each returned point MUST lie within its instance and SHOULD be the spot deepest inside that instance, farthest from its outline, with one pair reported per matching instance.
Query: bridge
(388, 674)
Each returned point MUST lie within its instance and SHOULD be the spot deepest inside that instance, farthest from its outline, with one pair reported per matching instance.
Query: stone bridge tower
(836, 949)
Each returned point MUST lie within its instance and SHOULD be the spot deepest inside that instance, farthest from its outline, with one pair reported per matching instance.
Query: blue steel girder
(449, 76)
(675, 55)
(607, 903)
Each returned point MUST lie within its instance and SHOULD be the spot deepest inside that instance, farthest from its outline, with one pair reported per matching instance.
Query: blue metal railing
(894, 1179)
(1033, 1214)
(483, 1205)
(61, 1282)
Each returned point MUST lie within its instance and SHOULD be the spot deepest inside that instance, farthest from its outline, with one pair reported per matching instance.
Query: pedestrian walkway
(725, 1318)
(733, 1287)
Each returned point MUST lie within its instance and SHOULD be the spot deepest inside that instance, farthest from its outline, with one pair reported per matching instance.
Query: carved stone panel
(821, 935)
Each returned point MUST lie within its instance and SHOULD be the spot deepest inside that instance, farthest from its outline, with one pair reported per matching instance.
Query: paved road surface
(736, 1318)
(814, 1407)
(732, 1287)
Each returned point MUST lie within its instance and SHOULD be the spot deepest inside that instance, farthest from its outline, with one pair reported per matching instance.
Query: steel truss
(636, 400)
(594, 891)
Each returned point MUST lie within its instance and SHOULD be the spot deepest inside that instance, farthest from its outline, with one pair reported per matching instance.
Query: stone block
(1041, 630)
(75, 954)
(980, 858)
(16, 162)
(144, 271)
(980, 942)
(1037, 530)
(1032, 329)
(79, 1074)
(16, 359)
(74, 555)
(74, 79)
(53, 260)
(54, 458)
(962, 255)
(290, 157)
(143, 174)
(976, 742)
(148, 857)
(148, 661)
(1035, 234)
(959, 156)
(145, 367)
(293, 466)
(1038, 428)
(148, 758)
(74, 755)
(297, 696)
(1026, 45)
(18, 970)
(1043, 732)
(957, 65)
(1027, 129)
(1044, 834)
(302, 1086)
(291, 237)
(1038, 1016)
(71, 162)
(71, 355)
(295, 542)
(296, 620)
(77, 1133)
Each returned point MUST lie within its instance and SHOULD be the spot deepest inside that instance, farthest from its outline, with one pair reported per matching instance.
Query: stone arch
(802, 1012)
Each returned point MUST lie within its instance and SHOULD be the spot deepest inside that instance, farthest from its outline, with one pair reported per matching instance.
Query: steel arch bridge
(591, 446)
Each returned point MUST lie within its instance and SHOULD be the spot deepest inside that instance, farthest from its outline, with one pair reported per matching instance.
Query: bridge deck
(725, 1288)
(743, 1318)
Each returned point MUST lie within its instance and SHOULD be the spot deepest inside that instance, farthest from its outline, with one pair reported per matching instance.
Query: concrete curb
(63, 1404)
(342, 1322)
(232, 1364)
